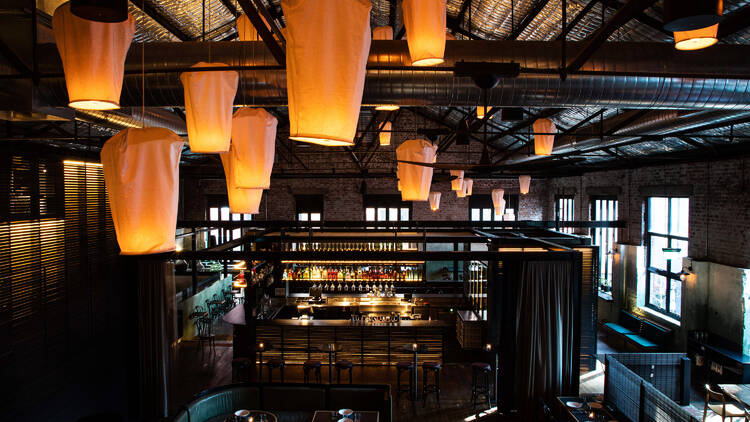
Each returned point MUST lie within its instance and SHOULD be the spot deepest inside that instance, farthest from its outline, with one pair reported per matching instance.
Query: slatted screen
(589, 297)
(57, 247)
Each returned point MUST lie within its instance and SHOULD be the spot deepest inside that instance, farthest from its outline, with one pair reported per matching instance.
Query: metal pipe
(616, 75)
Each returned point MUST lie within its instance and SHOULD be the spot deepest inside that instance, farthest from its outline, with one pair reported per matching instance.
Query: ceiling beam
(735, 21)
(230, 6)
(152, 12)
(265, 34)
(586, 9)
(454, 25)
(641, 17)
(538, 7)
(622, 16)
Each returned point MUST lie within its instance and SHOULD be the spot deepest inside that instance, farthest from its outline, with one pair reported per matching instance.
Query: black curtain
(542, 319)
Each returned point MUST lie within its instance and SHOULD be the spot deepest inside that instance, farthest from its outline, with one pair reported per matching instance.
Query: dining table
(331, 349)
(739, 392)
(256, 415)
(589, 410)
(415, 349)
(357, 416)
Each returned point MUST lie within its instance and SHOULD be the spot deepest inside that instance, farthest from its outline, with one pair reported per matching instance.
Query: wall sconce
(686, 271)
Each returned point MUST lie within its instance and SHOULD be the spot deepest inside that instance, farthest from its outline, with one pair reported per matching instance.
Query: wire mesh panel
(657, 407)
(662, 370)
(622, 389)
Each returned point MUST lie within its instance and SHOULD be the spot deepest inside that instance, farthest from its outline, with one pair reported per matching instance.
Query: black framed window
(604, 209)
(481, 208)
(564, 210)
(309, 207)
(386, 208)
(218, 210)
(667, 244)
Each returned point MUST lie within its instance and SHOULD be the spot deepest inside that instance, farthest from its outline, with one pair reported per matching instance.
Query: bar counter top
(237, 317)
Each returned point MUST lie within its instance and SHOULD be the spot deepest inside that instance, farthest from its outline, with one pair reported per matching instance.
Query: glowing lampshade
(141, 172)
(93, 58)
(209, 97)
(385, 134)
(435, 200)
(458, 183)
(696, 39)
(245, 29)
(382, 33)
(253, 148)
(543, 143)
(328, 42)
(524, 182)
(500, 208)
(425, 31)
(482, 111)
(241, 201)
(415, 179)
(466, 188)
(497, 196)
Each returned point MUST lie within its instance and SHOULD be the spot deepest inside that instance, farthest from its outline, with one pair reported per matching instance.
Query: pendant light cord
(143, 77)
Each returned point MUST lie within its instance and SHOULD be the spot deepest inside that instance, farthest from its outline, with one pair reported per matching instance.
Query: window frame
(572, 211)
(482, 203)
(224, 235)
(309, 205)
(606, 259)
(668, 275)
(387, 203)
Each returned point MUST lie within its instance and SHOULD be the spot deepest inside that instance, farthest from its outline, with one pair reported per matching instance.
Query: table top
(257, 415)
(583, 414)
(739, 392)
(332, 415)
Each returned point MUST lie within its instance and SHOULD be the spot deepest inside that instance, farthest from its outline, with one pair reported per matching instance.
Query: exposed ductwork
(618, 75)
(119, 120)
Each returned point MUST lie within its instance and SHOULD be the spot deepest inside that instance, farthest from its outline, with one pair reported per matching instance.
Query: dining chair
(717, 402)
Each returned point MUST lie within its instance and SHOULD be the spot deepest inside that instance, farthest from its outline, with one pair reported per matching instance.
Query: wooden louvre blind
(589, 301)
(56, 244)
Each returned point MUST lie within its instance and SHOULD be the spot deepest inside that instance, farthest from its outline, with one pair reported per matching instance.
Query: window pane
(475, 214)
(369, 214)
(675, 297)
(679, 217)
(676, 265)
(658, 260)
(314, 216)
(224, 214)
(657, 295)
(392, 214)
(247, 217)
(657, 215)
(486, 214)
(213, 214)
(236, 217)
(303, 216)
(382, 214)
(404, 214)
(236, 233)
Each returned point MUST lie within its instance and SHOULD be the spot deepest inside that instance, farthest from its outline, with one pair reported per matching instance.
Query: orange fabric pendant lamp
(524, 183)
(209, 96)
(457, 184)
(385, 134)
(544, 138)
(253, 148)
(141, 172)
(241, 201)
(466, 188)
(93, 58)
(245, 29)
(425, 31)
(498, 201)
(696, 39)
(500, 208)
(328, 43)
(435, 201)
(382, 33)
(415, 179)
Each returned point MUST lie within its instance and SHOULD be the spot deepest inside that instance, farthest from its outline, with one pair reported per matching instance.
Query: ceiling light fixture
(693, 22)
(425, 31)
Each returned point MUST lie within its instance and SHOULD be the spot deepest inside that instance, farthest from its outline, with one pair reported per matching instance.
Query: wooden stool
(312, 365)
(428, 367)
(406, 366)
(343, 365)
(480, 381)
(273, 364)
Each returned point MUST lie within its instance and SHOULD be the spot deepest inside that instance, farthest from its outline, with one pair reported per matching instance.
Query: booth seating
(638, 333)
(275, 398)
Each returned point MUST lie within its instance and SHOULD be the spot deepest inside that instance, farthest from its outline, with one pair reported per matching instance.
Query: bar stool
(406, 366)
(480, 381)
(312, 365)
(343, 365)
(428, 367)
(275, 364)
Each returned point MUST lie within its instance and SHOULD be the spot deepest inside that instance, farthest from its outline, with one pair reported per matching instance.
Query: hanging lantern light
(253, 148)
(697, 39)
(497, 196)
(141, 173)
(435, 201)
(241, 201)
(209, 97)
(543, 143)
(500, 208)
(93, 58)
(482, 111)
(425, 31)
(466, 188)
(109, 11)
(245, 29)
(524, 182)
(382, 33)
(385, 134)
(415, 179)
(324, 38)
(457, 183)
(695, 23)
